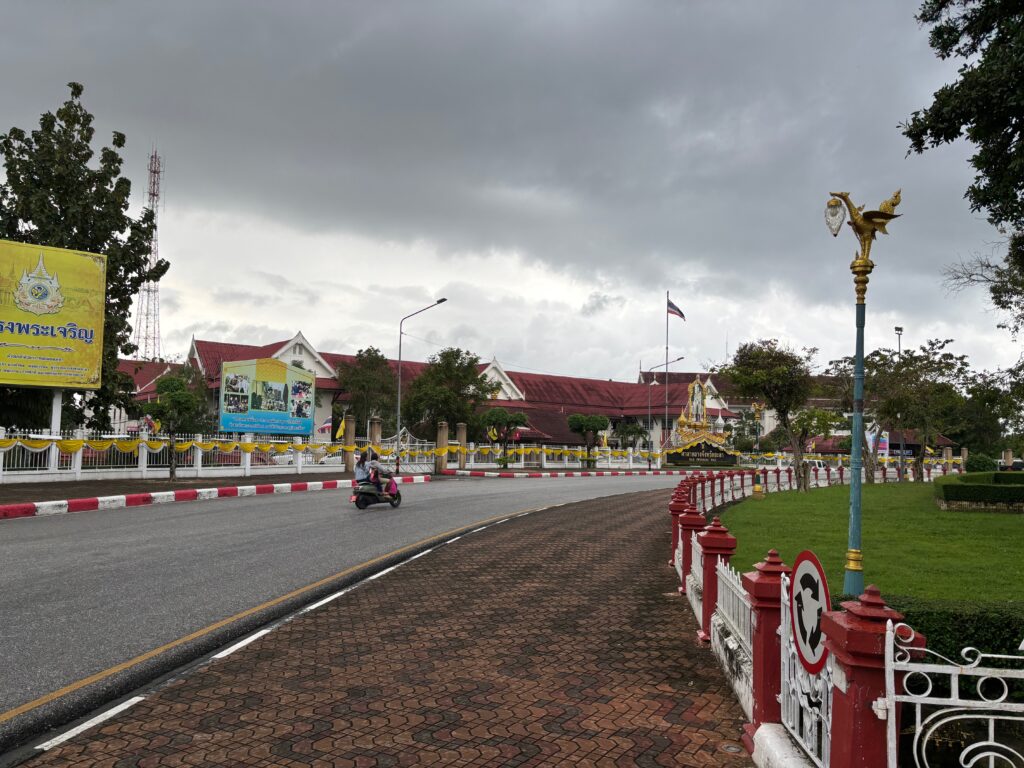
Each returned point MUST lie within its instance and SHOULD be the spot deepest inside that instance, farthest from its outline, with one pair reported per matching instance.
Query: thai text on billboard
(266, 397)
(52, 303)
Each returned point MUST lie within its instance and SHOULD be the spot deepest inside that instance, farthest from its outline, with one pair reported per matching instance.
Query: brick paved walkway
(552, 639)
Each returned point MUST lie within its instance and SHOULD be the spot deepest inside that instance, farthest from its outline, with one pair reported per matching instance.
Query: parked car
(1016, 466)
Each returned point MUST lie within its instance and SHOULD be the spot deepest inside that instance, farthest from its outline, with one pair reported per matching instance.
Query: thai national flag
(326, 426)
(674, 310)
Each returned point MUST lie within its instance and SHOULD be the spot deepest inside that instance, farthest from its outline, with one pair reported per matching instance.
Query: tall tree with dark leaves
(983, 104)
(370, 385)
(779, 377)
(54, 195)
(451, 389)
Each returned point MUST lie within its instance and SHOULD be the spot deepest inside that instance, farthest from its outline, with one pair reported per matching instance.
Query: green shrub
(980, 462)
(981, 493)
(982, 487)
(990, 627)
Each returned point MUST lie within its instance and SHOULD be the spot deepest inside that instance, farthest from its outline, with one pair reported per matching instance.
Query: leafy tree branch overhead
(982, 105)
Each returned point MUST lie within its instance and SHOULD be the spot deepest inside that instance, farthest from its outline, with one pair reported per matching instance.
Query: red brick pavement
(553, 639)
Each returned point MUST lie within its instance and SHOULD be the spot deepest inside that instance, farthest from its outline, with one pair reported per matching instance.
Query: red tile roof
(144, 375)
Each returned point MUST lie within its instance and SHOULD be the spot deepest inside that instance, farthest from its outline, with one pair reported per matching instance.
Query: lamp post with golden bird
(865, 225)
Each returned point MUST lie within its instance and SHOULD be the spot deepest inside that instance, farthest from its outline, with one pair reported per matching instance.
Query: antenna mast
(147, 314)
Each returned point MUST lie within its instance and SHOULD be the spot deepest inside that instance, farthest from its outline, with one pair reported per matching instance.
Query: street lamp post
(899, 422)
(865, 225)
(398, 418)
(650, 441)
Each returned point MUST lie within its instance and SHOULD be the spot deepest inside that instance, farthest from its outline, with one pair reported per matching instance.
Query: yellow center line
(70, 688)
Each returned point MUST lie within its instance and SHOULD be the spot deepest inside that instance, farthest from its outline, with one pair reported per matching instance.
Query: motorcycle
(366, 493)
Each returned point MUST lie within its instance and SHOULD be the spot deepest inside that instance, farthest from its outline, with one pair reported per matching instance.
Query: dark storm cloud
(678, 144)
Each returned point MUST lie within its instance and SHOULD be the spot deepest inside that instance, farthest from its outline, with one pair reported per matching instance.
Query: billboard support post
(55, 411)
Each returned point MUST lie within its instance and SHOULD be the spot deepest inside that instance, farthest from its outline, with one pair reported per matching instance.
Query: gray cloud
(598, 302)
(688, 146)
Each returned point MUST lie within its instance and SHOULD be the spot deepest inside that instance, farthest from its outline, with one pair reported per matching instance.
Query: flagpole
(666, 373)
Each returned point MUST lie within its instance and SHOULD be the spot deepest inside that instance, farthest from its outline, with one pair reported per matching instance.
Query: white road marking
(89, 724)
(478, 529)
(421, 554)
(240, 644)
(450, 541)
(325, 601)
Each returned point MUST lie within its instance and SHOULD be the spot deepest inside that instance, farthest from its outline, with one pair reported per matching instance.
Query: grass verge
(911, 547)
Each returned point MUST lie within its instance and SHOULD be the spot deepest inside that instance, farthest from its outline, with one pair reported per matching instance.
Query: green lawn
(910, 546)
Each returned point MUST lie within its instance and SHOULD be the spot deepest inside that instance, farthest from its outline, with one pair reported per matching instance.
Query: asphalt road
(82, 593)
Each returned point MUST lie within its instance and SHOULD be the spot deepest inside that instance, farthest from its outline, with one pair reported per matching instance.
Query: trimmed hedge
(982, 487)
(992, 627)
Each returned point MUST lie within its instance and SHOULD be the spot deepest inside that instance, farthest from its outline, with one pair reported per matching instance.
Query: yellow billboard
(51, 316)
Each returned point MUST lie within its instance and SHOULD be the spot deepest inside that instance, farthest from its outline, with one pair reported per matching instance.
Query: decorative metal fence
(806, 699)
(695, 579)
(976, 705)
(733, 606)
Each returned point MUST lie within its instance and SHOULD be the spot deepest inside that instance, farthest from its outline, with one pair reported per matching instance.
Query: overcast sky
(552, 168)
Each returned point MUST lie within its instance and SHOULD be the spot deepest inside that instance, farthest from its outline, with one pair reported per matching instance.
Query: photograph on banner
(266, 396)
(52, 303)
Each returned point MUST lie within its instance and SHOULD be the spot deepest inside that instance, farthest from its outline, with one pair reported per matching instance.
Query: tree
(370, 385)
(983, 103)
(925, 393)
(504, 424)
(879, 367)
(181, 407)
(630, 433)
(451, 388)
(587, 427)
(779, 377)
(51, 196)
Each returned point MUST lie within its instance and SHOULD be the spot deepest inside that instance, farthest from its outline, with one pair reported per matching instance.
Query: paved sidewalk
(553, 639)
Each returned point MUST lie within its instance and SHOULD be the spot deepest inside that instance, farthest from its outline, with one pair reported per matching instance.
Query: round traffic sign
(808, 600)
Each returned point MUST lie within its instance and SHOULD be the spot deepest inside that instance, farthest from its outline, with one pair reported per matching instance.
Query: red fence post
(715, 542)
(691, 522)
(764, 588)
(828, 475)
(789, 477)
(676, 507)
(841, 473)
(856, 638)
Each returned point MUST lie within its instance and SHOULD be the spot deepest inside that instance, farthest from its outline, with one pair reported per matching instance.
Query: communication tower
(147, 308)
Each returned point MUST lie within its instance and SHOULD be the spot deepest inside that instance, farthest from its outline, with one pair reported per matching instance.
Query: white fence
(977, 703)
(45, 458)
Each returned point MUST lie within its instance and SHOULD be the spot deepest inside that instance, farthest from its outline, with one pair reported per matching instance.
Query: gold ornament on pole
(865, 225)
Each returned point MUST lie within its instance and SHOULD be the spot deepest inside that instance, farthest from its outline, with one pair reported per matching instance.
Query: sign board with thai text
(52, 304)
(266, 396)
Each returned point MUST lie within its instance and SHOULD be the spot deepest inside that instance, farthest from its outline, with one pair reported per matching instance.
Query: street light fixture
(650, 442)
(865, 226)
(398, 418)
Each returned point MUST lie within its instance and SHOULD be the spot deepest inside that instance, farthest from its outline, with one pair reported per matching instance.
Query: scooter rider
(374, 470)
(362, 469)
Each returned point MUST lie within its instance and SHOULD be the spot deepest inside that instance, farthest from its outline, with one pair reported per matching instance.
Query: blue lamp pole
(865, 225)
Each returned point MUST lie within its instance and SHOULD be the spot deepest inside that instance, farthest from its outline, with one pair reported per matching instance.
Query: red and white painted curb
(39, 508)
(602, 473)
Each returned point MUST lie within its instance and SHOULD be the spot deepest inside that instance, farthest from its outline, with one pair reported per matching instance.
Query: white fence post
(197, 455)
(76, 458)
(296, 451)
(143, 453)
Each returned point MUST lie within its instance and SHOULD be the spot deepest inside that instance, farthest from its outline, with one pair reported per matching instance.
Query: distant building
(547, 400)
